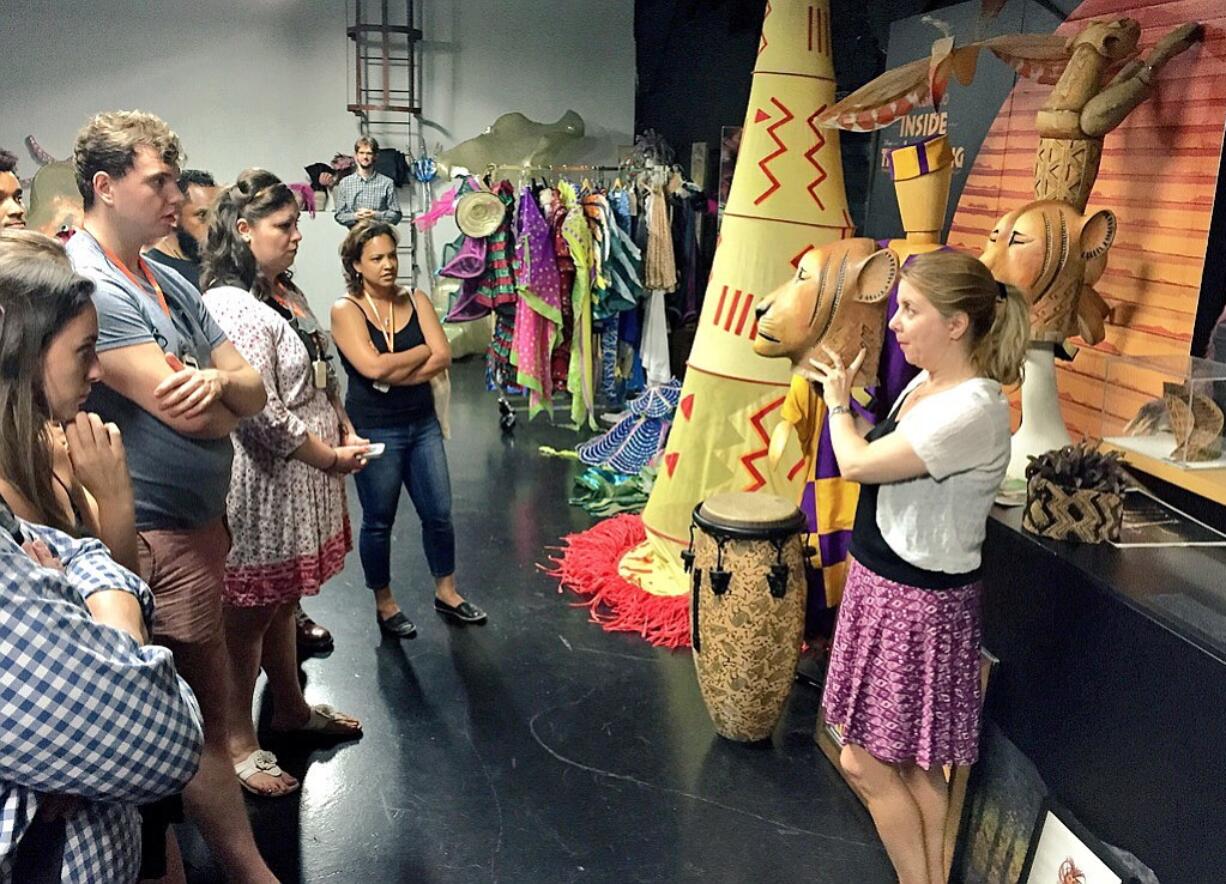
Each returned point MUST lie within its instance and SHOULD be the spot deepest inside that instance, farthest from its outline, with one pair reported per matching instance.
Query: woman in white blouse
(903, 681)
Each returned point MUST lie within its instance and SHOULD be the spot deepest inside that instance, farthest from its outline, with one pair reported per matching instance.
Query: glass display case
(1166, 415)
(1168, 408)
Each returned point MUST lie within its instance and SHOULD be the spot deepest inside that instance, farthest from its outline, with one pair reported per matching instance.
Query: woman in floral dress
(286, 505)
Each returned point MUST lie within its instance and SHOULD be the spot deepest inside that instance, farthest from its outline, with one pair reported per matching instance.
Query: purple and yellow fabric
(829, 501)
(580, 379)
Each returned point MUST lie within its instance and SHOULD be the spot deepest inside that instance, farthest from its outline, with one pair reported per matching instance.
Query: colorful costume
(638, 438)
(538, 314)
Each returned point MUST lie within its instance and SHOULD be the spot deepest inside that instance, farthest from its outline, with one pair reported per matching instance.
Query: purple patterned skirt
(903, 680)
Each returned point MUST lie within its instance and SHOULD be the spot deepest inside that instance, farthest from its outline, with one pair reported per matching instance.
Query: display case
(1165, 414)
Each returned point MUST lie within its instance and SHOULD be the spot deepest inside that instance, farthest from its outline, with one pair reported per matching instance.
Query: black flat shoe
(464, 612)
(397, 626)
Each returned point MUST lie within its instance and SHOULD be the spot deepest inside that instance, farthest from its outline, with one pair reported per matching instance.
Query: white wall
(265, 82)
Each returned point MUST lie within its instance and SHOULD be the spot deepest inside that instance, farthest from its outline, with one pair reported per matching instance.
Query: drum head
(746, 513)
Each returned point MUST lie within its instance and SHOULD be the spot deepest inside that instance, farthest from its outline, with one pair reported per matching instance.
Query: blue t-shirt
(179, 482)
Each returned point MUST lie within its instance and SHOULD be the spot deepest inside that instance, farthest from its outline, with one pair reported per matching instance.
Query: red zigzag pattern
(763, 42)
(811, 153)
(762, 163)
(747, 460)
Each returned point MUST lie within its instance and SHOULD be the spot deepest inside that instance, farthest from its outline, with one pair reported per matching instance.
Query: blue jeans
(415, 458)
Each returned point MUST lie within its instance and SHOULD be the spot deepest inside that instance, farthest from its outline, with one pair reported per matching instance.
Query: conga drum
(747, 608)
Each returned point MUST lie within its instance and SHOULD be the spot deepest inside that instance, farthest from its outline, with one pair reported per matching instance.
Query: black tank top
(369, 407)
(872, 551)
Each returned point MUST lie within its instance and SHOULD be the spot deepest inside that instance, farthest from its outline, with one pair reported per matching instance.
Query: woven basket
(1077, 514)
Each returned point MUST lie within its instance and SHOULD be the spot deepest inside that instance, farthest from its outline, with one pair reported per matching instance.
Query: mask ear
(1097, 234)
(875, 276)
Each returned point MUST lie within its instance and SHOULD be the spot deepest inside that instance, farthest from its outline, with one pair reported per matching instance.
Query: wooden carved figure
(836, 299)
(1081, 110)
(1054, 254)
(1048, 250)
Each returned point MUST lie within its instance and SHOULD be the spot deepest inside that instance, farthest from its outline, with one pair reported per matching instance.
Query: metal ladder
(385, 40)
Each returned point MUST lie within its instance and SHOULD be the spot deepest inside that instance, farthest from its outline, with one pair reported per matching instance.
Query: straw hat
(479, 213)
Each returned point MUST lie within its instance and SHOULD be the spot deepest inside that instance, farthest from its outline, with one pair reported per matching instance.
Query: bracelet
(840, 409)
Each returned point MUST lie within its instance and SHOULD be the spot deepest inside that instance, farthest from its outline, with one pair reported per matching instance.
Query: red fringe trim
(588, 565)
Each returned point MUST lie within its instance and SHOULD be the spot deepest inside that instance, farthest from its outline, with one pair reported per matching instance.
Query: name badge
(320, 370)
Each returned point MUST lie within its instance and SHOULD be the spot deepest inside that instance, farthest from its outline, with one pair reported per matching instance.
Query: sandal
(261, 761)
(325, 721)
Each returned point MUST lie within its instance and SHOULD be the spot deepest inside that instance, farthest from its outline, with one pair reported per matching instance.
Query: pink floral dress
(289, 520)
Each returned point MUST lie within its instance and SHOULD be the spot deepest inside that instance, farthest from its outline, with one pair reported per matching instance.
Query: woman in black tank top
(391, 345)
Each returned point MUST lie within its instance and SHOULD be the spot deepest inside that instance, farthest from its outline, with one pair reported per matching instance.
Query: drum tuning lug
(720, 580)
(777, 580)
(687, 559)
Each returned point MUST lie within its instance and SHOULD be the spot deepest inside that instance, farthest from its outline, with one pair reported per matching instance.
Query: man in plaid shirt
(94, 721)
(366, 194)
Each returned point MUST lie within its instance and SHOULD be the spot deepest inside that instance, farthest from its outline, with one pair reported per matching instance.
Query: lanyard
(144, 268)
(388, 325)
(313, 340)
(281, 295)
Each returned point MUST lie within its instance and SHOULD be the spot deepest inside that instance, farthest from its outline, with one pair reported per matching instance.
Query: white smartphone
(375, 449)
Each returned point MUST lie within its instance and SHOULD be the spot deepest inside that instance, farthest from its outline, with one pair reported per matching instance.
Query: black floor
(537, 748)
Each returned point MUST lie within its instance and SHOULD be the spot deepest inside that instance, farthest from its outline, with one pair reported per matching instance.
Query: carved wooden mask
(1051, 252)
(836, 298)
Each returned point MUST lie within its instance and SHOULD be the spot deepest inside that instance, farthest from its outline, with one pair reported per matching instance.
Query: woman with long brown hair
(286, 504)
(59, 466)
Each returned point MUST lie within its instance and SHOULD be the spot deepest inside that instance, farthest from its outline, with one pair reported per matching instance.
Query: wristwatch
(840, 409)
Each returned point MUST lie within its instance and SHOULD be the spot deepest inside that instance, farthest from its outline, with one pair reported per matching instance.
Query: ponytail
(1001, 352)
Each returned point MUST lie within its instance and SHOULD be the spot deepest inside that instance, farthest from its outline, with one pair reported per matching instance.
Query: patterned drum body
(747, 609)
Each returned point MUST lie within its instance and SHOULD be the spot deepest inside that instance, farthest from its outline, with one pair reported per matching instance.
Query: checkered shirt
(84, 709)
(376, 192)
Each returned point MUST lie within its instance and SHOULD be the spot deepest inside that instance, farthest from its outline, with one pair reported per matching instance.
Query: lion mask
(838, 299)
(1054, 254)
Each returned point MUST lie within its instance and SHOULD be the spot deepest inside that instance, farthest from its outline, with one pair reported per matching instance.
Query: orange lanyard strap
(281, 295)
(314, 341)
(144, 268)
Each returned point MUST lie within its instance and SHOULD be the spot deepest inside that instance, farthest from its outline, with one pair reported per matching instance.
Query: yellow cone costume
(787, 196)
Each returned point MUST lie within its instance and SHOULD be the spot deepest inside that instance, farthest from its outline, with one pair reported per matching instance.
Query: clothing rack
(630, 170)
(558, 167)
(634, 175)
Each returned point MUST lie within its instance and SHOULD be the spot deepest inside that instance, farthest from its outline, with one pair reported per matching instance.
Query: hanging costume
(581, 372)
(538, 313)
